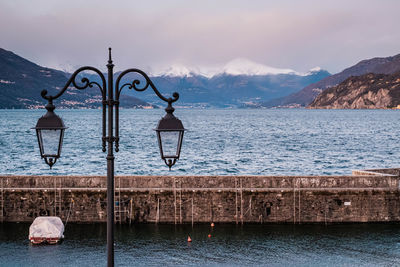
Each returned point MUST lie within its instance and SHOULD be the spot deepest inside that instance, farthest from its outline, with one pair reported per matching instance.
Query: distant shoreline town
(369, 84)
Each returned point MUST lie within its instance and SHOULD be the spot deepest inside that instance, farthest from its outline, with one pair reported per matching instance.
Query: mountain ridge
(21, 82)
(377, 65)
(368, 91)
(228, 90)
(235, 67)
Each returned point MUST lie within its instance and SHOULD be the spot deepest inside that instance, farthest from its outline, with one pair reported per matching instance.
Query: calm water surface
(229, 245)
(219, 142)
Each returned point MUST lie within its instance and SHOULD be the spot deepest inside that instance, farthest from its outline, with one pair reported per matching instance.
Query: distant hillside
(369, 91)
(387, 65)
(239, 83)
(21, 82)
(228, 90)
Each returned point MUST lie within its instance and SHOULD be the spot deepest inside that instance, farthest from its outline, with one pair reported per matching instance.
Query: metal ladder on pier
(2, 201)
(120, 215)
(117, 203)
(57, 197)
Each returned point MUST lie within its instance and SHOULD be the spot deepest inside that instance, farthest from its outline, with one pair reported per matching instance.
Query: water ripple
(219, 142)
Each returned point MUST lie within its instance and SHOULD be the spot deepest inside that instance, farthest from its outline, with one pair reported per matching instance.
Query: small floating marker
(209, 235)
(212, 224)
(189, 239)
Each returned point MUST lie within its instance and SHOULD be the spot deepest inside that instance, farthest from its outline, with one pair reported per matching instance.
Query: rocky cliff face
(386, 65)
(370, 91)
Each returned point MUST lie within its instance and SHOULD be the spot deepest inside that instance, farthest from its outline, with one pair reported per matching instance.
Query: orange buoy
(209, 235)
(212, 224)
(189, 239)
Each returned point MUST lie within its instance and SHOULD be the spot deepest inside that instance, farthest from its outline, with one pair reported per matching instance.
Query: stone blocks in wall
(201, 199)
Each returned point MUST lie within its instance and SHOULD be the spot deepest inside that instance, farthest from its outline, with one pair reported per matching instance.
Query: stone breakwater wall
(363, 197)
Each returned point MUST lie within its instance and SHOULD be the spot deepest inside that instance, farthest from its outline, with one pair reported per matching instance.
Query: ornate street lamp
(50, 129)
(50, 132)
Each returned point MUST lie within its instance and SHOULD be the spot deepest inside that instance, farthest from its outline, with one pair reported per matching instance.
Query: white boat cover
(47, 227)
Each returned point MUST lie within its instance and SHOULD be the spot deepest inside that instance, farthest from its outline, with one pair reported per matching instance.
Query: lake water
(229, 245)
(219, 142)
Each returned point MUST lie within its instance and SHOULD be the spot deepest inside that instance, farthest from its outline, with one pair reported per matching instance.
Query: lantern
(50, 132)
(170, 135)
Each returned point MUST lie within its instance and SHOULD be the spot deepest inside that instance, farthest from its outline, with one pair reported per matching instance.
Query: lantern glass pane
(50, 141)
(170, 143)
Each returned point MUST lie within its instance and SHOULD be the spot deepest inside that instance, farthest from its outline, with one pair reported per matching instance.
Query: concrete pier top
(381, 178)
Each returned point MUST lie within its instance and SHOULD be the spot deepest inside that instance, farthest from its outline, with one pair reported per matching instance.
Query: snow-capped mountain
(176, 70)
(236, 67)
(237, 83)
(242, 66)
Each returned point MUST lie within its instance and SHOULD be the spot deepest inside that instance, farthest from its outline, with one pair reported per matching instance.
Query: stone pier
(365, 196)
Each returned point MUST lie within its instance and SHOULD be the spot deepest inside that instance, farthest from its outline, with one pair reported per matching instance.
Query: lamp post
(50, 129)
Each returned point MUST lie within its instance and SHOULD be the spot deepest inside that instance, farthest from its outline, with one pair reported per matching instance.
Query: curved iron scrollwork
(135, 86)
(84, 83)
(135, 83)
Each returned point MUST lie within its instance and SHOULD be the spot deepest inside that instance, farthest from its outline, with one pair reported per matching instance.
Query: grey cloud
(300, 36)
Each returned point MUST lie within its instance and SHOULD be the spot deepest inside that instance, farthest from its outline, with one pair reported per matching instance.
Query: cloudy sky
(300, 35)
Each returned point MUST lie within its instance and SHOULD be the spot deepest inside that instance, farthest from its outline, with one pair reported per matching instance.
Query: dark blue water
(229, 245)
(219, 142)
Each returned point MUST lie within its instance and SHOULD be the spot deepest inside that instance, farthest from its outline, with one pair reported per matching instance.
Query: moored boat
(46, 230)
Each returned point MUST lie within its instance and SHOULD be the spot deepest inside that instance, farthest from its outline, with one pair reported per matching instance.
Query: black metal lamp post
(50, 130)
